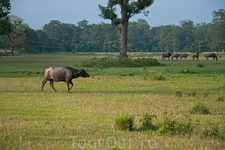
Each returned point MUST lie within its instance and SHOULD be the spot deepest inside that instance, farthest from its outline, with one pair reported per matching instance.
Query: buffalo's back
(58, 74)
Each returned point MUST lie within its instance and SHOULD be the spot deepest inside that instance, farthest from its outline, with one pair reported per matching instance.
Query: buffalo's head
(83, 73)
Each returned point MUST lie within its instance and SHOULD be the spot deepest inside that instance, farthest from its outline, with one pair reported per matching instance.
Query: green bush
(199, 108)
(147, 122)
(200, 65)
(158, 77)
(210, 132)
(106, 62)
(172, 126)
(124, 122)
(168, 125)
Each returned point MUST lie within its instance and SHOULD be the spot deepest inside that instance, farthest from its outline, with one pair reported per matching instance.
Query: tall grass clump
(106, 62)
(192, 93)
(124, 122)
(199, 108)
(177, 93)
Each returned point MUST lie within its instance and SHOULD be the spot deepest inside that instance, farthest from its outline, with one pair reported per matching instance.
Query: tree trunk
(123, 31)
(123, 39)
(12, 49)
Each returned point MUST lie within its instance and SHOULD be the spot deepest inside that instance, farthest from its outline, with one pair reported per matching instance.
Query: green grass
(124, 122)
(199, 108)
(85, 117)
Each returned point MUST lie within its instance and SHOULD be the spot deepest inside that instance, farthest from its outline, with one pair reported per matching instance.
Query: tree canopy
(5, 8)
(103, 37)
(128, 9)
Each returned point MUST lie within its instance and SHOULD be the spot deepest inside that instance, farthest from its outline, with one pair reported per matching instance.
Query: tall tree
(139, 34)
(218, 27)
(128, 9)
(17, 29)
(30, 41)
(4, 19)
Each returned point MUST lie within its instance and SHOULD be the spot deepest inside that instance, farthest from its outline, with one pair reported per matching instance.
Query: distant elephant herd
(195, 56)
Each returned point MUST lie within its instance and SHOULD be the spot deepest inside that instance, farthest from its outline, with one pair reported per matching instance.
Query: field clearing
(84, 117)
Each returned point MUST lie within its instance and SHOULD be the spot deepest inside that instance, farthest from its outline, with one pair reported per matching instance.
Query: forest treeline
(103, 37)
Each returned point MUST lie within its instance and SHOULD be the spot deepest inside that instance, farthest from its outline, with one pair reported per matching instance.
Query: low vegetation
(172, 126)
(200, 65)
(177, 93)
(147, 122)
(193, 93)
(205, 93)
(199, 108)
(116, 108)
(124, 122)
(158, 77)
(106, 62)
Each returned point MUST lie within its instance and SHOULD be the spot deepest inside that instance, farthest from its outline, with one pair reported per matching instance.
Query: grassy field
(84, 118)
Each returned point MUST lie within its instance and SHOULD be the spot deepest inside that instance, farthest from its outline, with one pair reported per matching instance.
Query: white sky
(37, 13)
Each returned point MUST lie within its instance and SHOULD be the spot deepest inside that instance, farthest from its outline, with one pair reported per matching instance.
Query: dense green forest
(84, 37)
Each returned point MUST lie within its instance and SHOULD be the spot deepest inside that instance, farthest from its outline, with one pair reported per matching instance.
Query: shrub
(177, 93)
(106, 62)
(199, 108)
(158, 77)
(211, 132)
(147, 122)
(168, 125)
(200, 65)
(124, 122)
(172, 126)
(184, 127)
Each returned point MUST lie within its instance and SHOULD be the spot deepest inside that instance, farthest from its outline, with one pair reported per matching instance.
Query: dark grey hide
(183, 55)
(211, 55)
(164, 55)
(65, 74)
(175, 55)
(195, 56)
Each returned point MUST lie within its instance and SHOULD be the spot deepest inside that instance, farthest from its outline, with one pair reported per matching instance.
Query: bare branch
(115, 25)
(113, 21)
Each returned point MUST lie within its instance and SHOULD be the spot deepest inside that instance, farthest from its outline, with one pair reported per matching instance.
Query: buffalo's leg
(71, 84)
(43, 84)
(51, 84)
(67, 85)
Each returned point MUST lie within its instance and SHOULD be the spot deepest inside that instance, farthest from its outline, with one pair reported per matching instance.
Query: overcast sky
(37, 13)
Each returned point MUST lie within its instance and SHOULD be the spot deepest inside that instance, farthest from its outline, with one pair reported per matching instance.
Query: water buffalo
(175, 55)
(183, 55)
(211, 55)
(65, 74)
(164, 55)
(195, 56)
